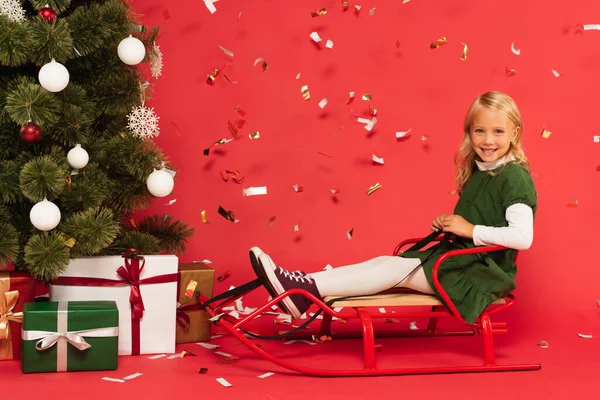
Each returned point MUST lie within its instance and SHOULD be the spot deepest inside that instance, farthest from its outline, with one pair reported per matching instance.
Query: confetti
(555, 73)
(221, 278)
(133, 376)
(298, 76)
(357, 8)
(510, 72)
(308, 342)
(226, 214)
(254, 135)
(208, 346)
(157, 356)
(574, 204)
(345, 3)
(319, 13)
(272, 221)
(413, 326)
(113, 380)
(352, 94)
(222, 381)
(397, 44)
(177, 355)
(298, 189)
(229, 80)
(440, 42)
(329, 44)
(228, 360)
(190, 289)
(366, 96)
(373, 188)
(203, 371)
(297, 226)
(315, 36)
(377, 159)
(239, 110)
(170, 203)
(323, 102)
(327, 267)
(235, 176)
(290, 342)
(402, 134)
(405, 1)
(591, 27)
(215, 337)
(349, 233)
(210, 78)
(372, 12)
(585, 335)
(424, 138)
(596, 139)
(221, 353)
(514, 49)
(335, 191)
(227, 52)
(382, 310)
(211, 7)
(465, 51)
(542, 344)
(305, 93)
(266, 375)
(166, 14)
(546, 133)
(255, 191)
(215, 318)
(203, 214)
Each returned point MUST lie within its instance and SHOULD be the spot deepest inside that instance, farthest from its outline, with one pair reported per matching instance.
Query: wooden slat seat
(392, 299)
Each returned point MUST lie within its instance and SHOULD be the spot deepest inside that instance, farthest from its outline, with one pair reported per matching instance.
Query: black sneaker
(277, 280)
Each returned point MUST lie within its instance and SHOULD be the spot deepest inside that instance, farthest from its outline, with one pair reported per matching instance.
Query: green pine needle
(140, 241)
(93, 229)
(9, 244)
(9, 182)
(46, 255)
(59, 6)
(50, 41)
(42, 105)
(172, 234)
(42, 178)
(14, 42)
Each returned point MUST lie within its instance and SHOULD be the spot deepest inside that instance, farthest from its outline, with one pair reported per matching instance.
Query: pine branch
(42, 178)
(46, 255)
(43, 105)
(140, 241)
(89, 188)
(59, 6)
(9, 243)
(93, 229)
(172, 234)
(9, 182)
(14, 42)
(9, 147)
(50, 41)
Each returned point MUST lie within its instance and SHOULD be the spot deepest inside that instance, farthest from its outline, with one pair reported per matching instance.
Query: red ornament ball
(47, 13)
(31, 133)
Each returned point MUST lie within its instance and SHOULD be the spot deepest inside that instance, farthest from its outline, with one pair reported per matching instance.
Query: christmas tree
(76, 155)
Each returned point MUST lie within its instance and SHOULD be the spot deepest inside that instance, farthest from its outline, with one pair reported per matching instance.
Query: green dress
(474, 281)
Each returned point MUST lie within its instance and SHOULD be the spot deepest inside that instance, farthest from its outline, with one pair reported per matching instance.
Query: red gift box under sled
(360, 307)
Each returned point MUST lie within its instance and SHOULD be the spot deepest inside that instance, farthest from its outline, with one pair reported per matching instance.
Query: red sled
(359, 308)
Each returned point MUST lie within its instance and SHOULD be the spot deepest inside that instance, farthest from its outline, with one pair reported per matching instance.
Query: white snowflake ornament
(156, 63)
(143, 122)
(13, 10)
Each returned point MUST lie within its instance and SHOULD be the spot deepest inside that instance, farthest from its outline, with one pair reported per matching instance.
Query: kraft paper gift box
(145, 292)
(70, 336)
(192, 323)
(16, 289)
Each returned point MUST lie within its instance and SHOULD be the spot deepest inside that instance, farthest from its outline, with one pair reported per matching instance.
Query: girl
(497, 205)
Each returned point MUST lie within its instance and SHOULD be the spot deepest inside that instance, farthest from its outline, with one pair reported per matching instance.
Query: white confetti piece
(364, 120)
(327, 267)
(170, 203)
(515, 50)
(585, 335)
(372, 12)
(382, 310)
(228, 308)
(133, 376)
(259, 59)
(323, 102)
(596, 139)
(413, 326)
(329, 44)
(424, 138)
(249, 310)
(555, 73)
(235, 314)
(174, 356)
(216, 317)
(157, 356)
(113, 380)
(211, 7)
(402, 134)
(315, 36)
(208, 346)
(290, 342)
(228, 52)
(405, 1)
(308, 342)
(591, 27)
(298, 76)
(338, 309)
(238, 305)
(205, 261)
(542, 344)
(222, 353)
(352, 94)
(371, 124)
(377, 160)
(303, 316)
(266, 375)
(312, 314)
(223, 382)
(357, 7)
(255, 191)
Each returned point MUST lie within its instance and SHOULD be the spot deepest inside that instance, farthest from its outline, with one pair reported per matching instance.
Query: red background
(413, 87)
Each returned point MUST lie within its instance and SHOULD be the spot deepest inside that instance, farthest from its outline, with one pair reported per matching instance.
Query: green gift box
(70, 336)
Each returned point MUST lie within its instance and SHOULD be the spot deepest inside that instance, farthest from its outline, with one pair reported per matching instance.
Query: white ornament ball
(44, 215)
(160, 183)
(131, 50)
(78, 157)
(53, 76)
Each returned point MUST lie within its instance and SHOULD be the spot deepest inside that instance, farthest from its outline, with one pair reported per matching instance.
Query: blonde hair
(464, 160)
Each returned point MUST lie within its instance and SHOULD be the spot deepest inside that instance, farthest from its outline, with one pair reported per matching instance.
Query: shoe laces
(298, 276)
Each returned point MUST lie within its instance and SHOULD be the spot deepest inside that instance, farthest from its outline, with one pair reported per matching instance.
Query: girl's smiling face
(491, 134)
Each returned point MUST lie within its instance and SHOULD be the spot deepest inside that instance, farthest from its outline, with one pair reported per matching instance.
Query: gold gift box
(199, 326)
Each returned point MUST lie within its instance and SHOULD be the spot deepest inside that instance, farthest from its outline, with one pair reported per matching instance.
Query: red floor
(570, 369)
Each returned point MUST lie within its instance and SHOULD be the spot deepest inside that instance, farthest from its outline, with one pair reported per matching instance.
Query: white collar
(490, 165)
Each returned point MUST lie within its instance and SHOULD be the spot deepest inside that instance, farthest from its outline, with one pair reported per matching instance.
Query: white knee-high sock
(372, 276)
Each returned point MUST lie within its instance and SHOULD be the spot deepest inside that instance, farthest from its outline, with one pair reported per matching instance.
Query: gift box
(70, 336)
(16, 289)
(145, 291)
(192, 322)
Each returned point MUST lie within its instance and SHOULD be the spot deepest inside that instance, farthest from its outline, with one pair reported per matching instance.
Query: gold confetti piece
(335, 191)
(69, 241)
(190, 289)
(315, 37)
(229, 360)
(372, 12)
(298, 188)
(342, 320)
(373, 188)
(345, 3)
(210, 78)
(329, 44)
(542, 344)
(366, 96)
(514, 49)
(323, 102)
(574, 204)
(397, 44)
(228, 52)
(465, 51)
(166, 14)
(440, 42)
(229, 80)
(223, 277)
(319, 13)
(377, 160)
(305, 93)
(373, 109)
(349, 233)
(254, 135)
(545, 133)
(272, 221)
(585, 335)
(203, 214)
(264, 63)
(133, 223)
(239, 110)
(68, 181)
(228, 215)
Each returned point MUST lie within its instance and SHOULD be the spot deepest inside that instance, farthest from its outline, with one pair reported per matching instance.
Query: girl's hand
(457, 225)
(438, 223)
